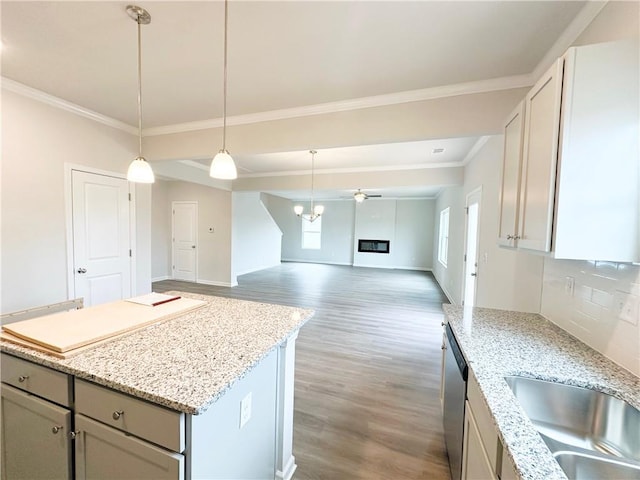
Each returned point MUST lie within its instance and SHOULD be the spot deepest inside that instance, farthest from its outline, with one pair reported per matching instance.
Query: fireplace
(373, 246)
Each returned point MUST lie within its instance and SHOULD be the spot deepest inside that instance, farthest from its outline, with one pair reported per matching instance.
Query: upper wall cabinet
(580, 175)
(510, 182)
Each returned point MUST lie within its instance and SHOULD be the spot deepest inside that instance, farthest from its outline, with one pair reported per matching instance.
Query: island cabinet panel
(35, 438)
(103, 452)
(222, 448)
(154, 423)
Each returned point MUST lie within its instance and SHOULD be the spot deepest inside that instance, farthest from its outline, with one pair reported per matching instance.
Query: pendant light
(316, 210)
(139, 171)
(222, 165)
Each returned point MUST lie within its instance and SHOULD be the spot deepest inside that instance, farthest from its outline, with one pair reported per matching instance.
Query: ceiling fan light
(298, 209)
(318, 210)
(223, 167)
(359, 196)
(140, 171)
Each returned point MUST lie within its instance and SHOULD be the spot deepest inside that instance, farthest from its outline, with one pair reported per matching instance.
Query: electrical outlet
(245, 410)
(569, 285)
(627, 306)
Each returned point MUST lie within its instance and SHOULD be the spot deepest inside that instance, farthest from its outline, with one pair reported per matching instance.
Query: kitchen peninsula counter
(498, 343)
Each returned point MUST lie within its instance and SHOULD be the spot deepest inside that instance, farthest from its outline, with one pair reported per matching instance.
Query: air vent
(437, 150)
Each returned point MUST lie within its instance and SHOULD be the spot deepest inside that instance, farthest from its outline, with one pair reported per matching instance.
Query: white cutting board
(65, 331)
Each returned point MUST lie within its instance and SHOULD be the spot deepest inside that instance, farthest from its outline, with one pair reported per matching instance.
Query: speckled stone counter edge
(81, 365)
(498, 343)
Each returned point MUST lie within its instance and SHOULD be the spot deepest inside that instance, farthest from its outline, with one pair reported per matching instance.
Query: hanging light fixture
(222, 165)
(316, 210)
(139, 171)
(359, 196)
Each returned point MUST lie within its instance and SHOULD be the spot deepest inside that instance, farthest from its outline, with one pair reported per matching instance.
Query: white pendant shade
(318, 209)
(223, 166)
(298, 209)
(140, 171)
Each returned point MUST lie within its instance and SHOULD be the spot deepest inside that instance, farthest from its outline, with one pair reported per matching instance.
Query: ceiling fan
(360, 196)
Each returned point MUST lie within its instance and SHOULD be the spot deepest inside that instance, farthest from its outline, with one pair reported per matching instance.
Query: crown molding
(475, 149)
(578, 25)
(332, 171)
(39, 95)
(482, 86)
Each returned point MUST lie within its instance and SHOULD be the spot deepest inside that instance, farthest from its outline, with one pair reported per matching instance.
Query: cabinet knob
(516, 237)
(82, 270)
(73, 435)
(117, 414)
(23, 378)
(56, 429)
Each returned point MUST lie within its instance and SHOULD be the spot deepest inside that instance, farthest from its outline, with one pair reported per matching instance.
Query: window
(311, 234)
(443, 237)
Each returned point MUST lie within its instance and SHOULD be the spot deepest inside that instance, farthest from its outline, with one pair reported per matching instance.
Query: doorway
(471, 253)
(184, 234)
(101, 238)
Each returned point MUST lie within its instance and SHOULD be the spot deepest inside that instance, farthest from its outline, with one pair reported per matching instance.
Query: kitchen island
(498, 343)
(211, 390)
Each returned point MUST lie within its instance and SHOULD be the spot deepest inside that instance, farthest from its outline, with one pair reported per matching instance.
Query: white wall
(507, 279)
(214, 210)
(375, 220)
(160, 232)
(337, 231)
(256, 238)
(450, 277)
(413, 247)
(37, 140)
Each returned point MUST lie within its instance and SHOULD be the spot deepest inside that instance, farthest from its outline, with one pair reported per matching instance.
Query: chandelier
(316, 210)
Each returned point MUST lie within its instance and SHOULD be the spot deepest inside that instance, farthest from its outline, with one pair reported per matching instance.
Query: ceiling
(282, 55)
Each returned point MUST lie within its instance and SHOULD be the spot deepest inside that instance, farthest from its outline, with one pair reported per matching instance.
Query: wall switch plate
(245, 410)
(569, 286)
(627, 306)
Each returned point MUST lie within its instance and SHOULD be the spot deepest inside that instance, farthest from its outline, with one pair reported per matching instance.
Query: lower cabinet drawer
(104, 452)
(137, 417)
(41, 381)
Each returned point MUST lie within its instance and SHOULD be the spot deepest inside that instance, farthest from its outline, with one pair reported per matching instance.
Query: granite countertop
(188, 362)
(497, 343)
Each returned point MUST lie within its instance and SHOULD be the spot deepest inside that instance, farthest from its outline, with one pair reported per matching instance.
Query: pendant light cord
(139, 90)
(313, 156)
(224, 90)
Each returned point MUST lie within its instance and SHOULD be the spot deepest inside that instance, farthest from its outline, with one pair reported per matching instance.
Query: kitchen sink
(591, 434)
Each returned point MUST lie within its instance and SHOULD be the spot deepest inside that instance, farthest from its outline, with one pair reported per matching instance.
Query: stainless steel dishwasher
(455, 392)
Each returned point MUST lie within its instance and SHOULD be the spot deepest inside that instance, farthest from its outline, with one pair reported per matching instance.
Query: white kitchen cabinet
(475, 462)
(35, 437)
(104, 452)
(509, 201)
(579, 188)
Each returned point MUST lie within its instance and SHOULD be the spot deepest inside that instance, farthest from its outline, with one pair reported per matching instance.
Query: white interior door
(101, 237)
(185, 240)
(471, 248)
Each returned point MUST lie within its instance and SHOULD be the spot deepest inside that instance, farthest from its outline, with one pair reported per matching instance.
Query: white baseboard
(256, 269)
(444, 290)
(300, 260)
(289, 469)
(216, 284)
(159, 279)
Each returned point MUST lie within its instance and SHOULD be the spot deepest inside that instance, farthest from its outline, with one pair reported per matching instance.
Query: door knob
(82, 270)
(193, 246)
(474, 274)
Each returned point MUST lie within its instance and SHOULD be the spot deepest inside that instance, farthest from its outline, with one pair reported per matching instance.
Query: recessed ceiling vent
(435, 151)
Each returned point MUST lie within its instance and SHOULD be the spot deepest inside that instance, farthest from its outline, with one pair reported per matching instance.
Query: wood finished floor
(367, 368)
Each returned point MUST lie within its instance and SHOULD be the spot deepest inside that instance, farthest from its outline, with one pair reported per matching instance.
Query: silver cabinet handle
(117, 414)
(474, 274)
(56, 429)
(509, 237)
(73, 435)
(23, 378)
(82, 270)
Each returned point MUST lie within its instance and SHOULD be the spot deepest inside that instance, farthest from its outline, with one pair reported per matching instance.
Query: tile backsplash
(597, 302)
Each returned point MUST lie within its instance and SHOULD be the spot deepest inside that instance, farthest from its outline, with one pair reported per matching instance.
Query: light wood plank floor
(367, 369)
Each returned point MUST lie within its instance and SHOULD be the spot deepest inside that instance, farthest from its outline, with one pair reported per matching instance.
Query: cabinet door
(540, 155)
(510, 183)
(35, 438)
(475, 464)
(102, 452)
